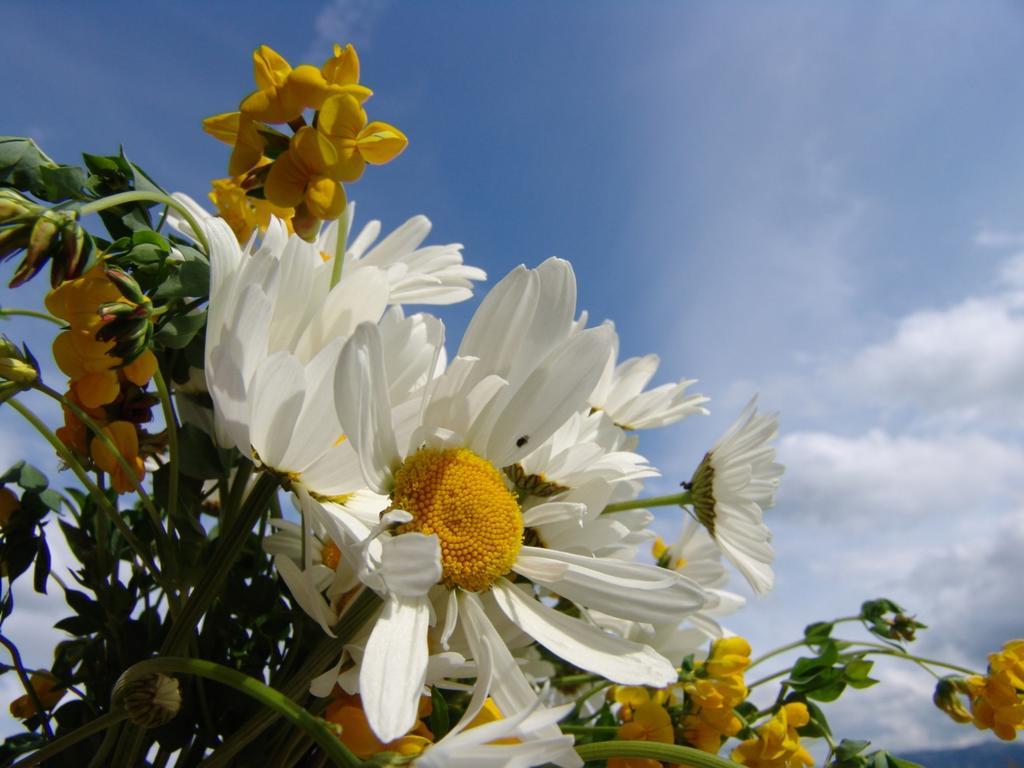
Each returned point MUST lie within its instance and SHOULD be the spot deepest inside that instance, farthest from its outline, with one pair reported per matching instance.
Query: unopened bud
(126, 285)
(15, 364)
(151, 700)
(947, 697)
(13, 205)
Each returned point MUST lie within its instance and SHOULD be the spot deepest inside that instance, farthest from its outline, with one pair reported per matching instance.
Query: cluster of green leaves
(118, 613)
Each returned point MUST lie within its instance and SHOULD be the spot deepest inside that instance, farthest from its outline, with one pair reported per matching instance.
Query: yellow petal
(341, 117)
(306, 87)
(343, 67)
(223, 127)
(286, 182)
(325, 198)
(248, 150)
(125, 439)
(381, 143)
(140, 370)
(269, 68)
(96, 389)
(313, 150)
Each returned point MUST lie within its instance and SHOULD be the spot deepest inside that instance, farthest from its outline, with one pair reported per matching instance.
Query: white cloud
(345, 21)
(962, 365)
(988, 237)
(865, 480)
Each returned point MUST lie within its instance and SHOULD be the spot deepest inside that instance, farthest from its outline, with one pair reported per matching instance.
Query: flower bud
(15, 364)
(13, 205)
(150, 701)
(947, 698)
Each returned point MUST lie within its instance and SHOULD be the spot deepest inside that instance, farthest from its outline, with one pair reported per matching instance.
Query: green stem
(317, 729)
(886, 650)
(163, 542)
(671, 753)
(769, 678)
(229, 546)
(356, 614)
(777, 652)
(32, 313)
(140, 196)
(672, 500)
(578, 679)
(98, 496)
(101, 723)
(339, 248)
(242, 474)
(172, 445)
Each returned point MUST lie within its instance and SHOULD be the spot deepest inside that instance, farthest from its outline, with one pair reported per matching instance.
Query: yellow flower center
(463, 499)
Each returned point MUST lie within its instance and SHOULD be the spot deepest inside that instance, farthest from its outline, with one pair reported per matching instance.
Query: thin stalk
(154, 515)
(886, 650)
(317, 729)
(670, 753)
(101, 498)
(229, 546)
(101, 723)
(242, 474)
(777, 652)
(339, 248)
(672, 500)
(32, 313)
(139, 196)
(172, 445)
(356, 614)
(26, 683)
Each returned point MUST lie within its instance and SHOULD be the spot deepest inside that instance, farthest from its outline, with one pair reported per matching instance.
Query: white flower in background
(416, 274)
(314, 568)
(732, 487)
(620, 393)
(455, 528)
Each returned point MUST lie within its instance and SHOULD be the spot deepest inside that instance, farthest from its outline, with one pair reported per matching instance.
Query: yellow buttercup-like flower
(301, 176)
(243, 212)
(711, 697)
(44, 684)
(343, 122)
(125, 438)
(283, 93)
(777, 744)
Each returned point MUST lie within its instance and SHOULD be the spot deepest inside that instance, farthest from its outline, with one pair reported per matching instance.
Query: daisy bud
(150, 701)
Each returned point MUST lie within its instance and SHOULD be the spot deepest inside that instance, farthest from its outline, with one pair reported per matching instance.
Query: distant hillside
(986, 755)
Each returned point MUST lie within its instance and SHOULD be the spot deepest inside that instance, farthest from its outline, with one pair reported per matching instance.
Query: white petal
(394, 666)
(627, 590)
(411, 563)
(618, 660)
(557, 389)
(364, 408)
(275, 402)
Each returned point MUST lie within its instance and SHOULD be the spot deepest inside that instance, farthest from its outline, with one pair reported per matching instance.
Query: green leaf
(32, 479)
(24, 166)
(42, 570)
(819, 632)
(178, 331)
(439, 722)
(850, 748)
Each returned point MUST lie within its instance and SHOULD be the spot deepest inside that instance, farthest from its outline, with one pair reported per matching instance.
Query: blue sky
(820, 202)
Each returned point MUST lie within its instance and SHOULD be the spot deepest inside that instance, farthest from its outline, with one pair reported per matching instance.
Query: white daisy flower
(455, 526)
(620, 393)
(416, 274)
(732, 487)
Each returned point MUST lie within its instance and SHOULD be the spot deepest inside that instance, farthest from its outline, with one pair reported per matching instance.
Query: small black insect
(522, 441)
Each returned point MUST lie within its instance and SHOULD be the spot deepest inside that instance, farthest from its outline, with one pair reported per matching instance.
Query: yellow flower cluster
(997, 699)
(711, 697)
(299, 177)
(777, 744)
(106, 389)
(644, 718)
